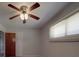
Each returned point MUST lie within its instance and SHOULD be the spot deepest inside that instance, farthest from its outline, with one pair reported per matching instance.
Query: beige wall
(59, 48)
(2, 28)
(27, 42)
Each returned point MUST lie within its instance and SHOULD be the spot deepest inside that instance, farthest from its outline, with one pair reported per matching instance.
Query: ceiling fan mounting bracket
(23, 9)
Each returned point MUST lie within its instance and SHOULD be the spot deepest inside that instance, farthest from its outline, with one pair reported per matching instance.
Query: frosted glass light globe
(24, 16)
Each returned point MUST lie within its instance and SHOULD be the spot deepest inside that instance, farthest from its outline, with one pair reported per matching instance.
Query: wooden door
(10, 44)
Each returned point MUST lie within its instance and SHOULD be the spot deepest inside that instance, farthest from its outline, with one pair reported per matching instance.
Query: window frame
(66, 38)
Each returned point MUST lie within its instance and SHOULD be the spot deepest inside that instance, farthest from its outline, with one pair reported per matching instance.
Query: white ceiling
(45, 12)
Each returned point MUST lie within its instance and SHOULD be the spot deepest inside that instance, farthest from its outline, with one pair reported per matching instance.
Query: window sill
(68, 38)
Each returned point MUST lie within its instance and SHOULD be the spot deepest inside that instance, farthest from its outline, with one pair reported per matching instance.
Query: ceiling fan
(25, 12)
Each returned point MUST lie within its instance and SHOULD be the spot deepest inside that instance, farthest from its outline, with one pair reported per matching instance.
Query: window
(58, 30)
(1, 44)
(69, 26)
(73, 24)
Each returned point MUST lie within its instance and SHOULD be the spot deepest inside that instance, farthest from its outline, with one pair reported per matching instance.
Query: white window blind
(73, 24)
(68, 26)
(58, 30)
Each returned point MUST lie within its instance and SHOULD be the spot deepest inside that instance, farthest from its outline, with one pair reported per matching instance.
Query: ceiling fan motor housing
(23, 9)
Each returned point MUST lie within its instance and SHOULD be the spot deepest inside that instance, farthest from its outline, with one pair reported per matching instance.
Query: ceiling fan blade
(36, 5)
(10, 5)
(14, 16)
(33, 16)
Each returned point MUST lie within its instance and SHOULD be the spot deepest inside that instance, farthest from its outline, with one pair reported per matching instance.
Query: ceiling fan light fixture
(24, 16)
